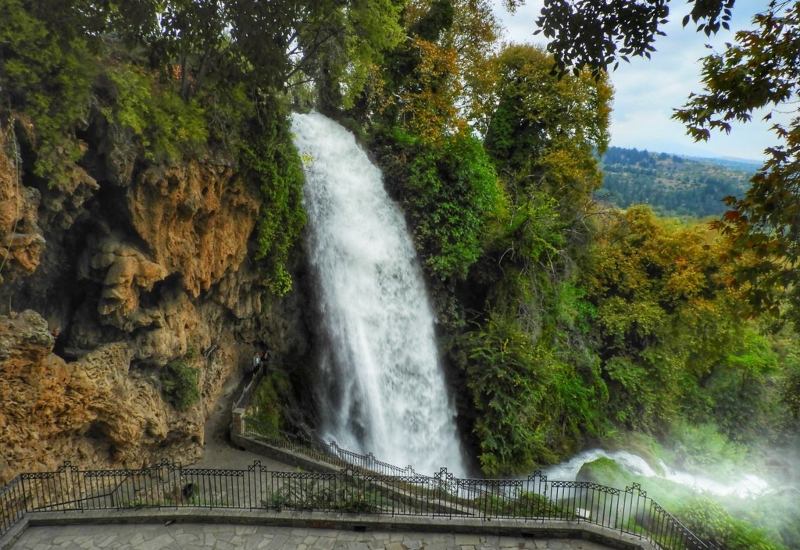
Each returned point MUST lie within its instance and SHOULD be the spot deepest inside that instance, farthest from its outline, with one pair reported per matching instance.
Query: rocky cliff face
(108, 277)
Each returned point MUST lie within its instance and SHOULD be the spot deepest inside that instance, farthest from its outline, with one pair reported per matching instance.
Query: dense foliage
(666, 323)
(710, 521)
(760, 70)
(270, 160)
(533, 319)
(448, 190)
(267, 402)
(46, 80)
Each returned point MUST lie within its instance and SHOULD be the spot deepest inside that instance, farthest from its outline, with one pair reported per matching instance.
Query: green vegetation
(533, 405)
(671, 185)
(759, 69)
(700, 447)
(500, 226)
(605, 471)
(525, 504)
(759, 521)
(448, 190)
(268, 400)
(180, 384)
(535, 383)
(709, 521)
(271, 161)
(187, 80)
(167, 127)
(318, 495)
(46, 79)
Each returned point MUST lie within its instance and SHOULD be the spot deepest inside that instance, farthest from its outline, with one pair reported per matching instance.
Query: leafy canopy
(597, 35)
(45, 76)
(535, 385)
(760, 70)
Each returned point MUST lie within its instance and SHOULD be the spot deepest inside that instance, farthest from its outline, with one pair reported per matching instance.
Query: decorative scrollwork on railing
(636, 487)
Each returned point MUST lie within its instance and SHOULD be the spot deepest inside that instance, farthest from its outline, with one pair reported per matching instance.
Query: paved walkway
(185, 536)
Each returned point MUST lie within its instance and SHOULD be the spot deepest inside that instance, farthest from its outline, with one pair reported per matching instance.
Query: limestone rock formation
(108, 279)
(196, 218)
(93, 411)
(21, 239)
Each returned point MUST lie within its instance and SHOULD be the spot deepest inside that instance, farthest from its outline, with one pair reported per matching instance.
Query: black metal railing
(168, 485)
(318, 449)
(247, 391)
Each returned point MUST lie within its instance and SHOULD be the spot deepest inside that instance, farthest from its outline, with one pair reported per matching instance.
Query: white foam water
(381, 386)
(749, 485)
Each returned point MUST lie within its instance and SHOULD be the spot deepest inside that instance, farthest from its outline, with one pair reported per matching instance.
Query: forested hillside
(671, 185)
(151, 238)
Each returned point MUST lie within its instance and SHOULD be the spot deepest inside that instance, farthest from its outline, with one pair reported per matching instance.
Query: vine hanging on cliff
(270, 159)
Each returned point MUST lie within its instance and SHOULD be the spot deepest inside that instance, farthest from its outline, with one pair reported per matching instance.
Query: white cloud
(647, 91)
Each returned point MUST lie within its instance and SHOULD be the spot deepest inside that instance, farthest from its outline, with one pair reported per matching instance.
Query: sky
(647, 91)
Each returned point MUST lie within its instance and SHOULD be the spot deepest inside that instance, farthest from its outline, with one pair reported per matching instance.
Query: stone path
(218, 451)
(185, 536)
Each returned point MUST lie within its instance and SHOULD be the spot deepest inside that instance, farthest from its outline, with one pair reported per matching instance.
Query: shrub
(709, 521)
(166, 125)
(532, 406)
(449, 191)
(268, 399)
(180, 385)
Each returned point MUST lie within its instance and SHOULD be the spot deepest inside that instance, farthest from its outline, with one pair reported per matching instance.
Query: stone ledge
(282, 455)
(11, 536)
(343, 522)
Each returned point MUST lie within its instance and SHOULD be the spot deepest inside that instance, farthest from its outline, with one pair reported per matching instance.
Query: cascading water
(748, 485)
(382, 388)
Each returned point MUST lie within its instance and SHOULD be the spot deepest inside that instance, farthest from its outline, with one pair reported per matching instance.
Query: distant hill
(672, 185)
(733, 163)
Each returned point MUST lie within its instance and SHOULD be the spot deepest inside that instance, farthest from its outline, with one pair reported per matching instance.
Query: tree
(528, 365)
(209, 43)
(193, 30)
(533, 406)
(543, 134)
(760, 70)
(216, 44)
(432, 83)
(669, 338)
(45, 76)
(433, 164)
(588, 33)
(450, 191)
(534, 112)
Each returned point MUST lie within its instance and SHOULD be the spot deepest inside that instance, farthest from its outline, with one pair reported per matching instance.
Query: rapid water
(748, 485)
(381, 388)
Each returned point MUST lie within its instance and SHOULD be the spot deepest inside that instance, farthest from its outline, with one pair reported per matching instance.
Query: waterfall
(381, 386)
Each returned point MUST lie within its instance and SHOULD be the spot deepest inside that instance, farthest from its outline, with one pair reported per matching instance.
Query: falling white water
(382, 388)
(749, 485)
